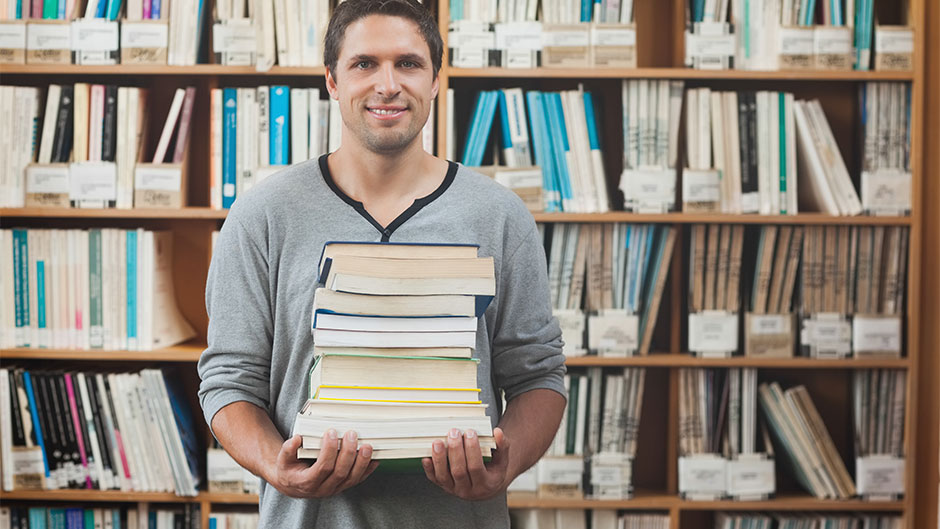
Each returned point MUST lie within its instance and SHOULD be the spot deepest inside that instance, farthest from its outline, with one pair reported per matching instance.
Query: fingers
(344, 462)
(456, 456)
(440, 470)
(475, 468)
(323, 467)
(360, 467)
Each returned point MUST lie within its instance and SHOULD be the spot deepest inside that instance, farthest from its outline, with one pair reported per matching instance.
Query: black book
(19, 434)
(747, 134)
(83, 432)
(109, 400)
(29, 429)
(109, 130)
(50, 437)
(62, 142)
(97, 414)
(72, 456)
(62, 450)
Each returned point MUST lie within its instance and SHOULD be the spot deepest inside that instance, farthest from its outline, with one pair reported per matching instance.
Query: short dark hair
(350, 11)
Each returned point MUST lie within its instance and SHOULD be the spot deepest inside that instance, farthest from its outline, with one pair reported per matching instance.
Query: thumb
(288, 453)
(500, 459)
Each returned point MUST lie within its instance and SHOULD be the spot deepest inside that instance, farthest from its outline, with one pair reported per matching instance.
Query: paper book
(396, 395)
(326, 300)
(397, 250)
(389, 410)
(169, 125)
(343, 322)
(335, 338)
(406, 453)
(381, 444)
(410, 276)
(393, 371)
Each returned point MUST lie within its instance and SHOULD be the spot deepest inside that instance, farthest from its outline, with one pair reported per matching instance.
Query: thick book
(398, 428)
(393, 371)
(331, 301)
(335, 338)
(343, 322)
(389, 410)
(379, 276)
(397, 250)
(395, 394)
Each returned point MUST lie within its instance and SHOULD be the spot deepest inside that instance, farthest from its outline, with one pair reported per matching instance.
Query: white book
(733, 149)
(263, 103)
(661, 136)
(125, 166)
(816, 192)
(299, 101)
(343, 322)
(577, 158)
(66, 323)
(120, 241)
(839, 174)
(250, 144)
(128, 433)
(241, 135)
(169, 125)
(451, 148)
(102, 477)
(720, 151)
(569, 253)
(48, 125)
(325, 107)
(646, 100)
(763, 155)
(7, 139)
(294, 32)
(581, 415)
(167, 326)
(7, 292)
(266, 47)
(314, 129)
(427, 131)
(109, 422)
(692, 138)
(150, 427)
(675, 111)
(6, 431)
(777, 199)
(336, 126)
(215, 149)
(280, 31)
(792, 169)
(185, 485)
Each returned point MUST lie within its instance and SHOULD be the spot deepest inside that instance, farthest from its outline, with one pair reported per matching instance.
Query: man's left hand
(458, 467)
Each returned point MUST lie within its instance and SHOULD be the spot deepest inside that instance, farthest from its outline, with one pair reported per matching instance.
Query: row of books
(565, 143)
(764, 30)
(548, 11)
(233, 520)
(85, 123)
(718, 411)
(104, 431)
(885, 110)
(105, 288)
(186, 516)
(879, 403)
(585, 519)
(839, 269)
(724, 520)
(651, 109)
(400, 379)
(287, 32)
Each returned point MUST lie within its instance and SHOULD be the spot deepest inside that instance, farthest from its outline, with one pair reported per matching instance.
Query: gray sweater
(260, 293)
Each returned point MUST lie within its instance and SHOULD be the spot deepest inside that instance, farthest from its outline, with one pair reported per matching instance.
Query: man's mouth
(386, 112)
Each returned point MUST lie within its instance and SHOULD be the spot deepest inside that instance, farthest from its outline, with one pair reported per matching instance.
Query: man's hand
(334, 471)
(458, 467)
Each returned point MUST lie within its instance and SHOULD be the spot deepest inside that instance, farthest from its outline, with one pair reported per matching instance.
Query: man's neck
(373, 178)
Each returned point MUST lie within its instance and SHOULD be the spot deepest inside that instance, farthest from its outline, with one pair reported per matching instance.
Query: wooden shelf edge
(113, 213)
(143, 69)
(687, 360)
(185, 352)
(667, 502)
(111, 496)
(721, 218)
(679, 73)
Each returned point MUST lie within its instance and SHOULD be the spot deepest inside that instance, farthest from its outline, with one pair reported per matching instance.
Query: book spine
(96, 325)
(185, 119)
(33, 410)
(229, 145)
(280, 125)
(76, 423)
(62, 144)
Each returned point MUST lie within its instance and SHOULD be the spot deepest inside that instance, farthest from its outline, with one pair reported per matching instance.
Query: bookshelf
(659, 57)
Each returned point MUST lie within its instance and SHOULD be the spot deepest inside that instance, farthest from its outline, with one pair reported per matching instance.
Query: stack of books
(394, 327)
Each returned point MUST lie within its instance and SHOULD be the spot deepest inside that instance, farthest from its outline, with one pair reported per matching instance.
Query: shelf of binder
(77, 184)
(560, 477)
(815, 48)
(226, 476)
(894, 48)
(471, 44)
(769, 335)
(649, 189)
(878, 409)
(525, 182)
(48, 42)
(159, 185)
(709, 477)
(13, 42)
(713, 333)
(611, 476)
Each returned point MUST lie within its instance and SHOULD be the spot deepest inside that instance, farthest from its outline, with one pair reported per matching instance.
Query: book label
(95, 34)
(702, 476)
(613, 333)
(568, 36)
(225, 475)
(158, 177)
(28, 468)
(875, 334)
(751, 477)
(613, 35)
(572, 322)
(768, 335)
(713, 332)
(233, 39)
(879, 476)
(710, 46)
(47, 185)
(886, 192)
(701, 186)
(611, 470)
(796, 41)
(93, 181)
(832, 40)
(827, 335)
(894, 39)
(649, 190)
(519, 36)
(560, 471)
(43, 36)
(769, 324)
(12, 42)
(144, 42)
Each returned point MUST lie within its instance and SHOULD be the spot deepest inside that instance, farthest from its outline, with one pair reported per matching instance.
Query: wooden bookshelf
(659, 55)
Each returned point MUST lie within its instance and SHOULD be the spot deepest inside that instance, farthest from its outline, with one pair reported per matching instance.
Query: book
(344, 369)
(380, 276)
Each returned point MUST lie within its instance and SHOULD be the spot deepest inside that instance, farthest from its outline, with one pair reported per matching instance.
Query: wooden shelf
(687, 360)
(85, 496)
(721, 218)
(113, 213)
(677, 73)
(230, 498)
(187, 352)
(640, 500)
(128, 70)
(792, 502)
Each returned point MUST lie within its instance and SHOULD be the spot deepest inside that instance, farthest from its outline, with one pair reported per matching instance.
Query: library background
(735, 199)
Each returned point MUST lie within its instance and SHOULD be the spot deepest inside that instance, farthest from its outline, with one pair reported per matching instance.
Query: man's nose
(387, 83)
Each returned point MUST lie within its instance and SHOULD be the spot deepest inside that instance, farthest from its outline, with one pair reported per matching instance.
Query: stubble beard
(387, 141)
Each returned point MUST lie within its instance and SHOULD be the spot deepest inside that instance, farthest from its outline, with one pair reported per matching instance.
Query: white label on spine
(876, 334)
(709, 45)
(12, 36)
(93, 181)
(519, 36)
(751, 477)
(560, 470)
(886, 191)
(158, 178)
(48, 37)
(221, 467)
(567, 38)
(880, 475)
(703, 473)
(829, 40)
(95, 34)
(894, 40)
(701, 185)
(796, 41)
(614, 332)
(829, 334)
(649, 187)
(233, 39)
(47, 179)
(143, 35)
(613, 36)
(713, 331)
(768, 324)
(607, 476)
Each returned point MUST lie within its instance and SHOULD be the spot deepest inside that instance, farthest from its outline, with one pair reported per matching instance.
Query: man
(382, 59)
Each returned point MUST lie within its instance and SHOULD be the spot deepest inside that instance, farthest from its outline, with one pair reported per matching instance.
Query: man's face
(384, 81)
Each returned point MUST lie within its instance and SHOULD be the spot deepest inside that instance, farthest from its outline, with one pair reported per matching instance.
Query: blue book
(505, 136)
(101, 9)
(41, 295)
(24, 288)
(475, 118)
(229, 144)
(280, 125)
(155, 9)
(486, 126)
(74, 518)
(60, 10)
(560, 148)
(131, 308)
(586, 7)
(543, 156)
(19, 9)
(18, 286)
(114, 8)
(116, 519)
(34, 414)
(698, 10)
(37, 517)
(782, 114)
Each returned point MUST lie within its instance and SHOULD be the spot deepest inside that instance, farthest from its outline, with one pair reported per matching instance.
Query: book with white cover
(48, 125)
(168, 126)
(816, 193)
(299, 103)
(334, 338)
(164, 321)
(343, 322)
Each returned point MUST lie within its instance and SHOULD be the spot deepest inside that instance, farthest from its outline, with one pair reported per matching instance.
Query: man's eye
(409, 64)
(363, 64)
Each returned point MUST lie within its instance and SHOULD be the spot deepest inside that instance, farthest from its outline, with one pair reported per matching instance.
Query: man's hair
(352, 10)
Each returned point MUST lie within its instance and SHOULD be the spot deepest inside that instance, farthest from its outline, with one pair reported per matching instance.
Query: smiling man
(382, 61)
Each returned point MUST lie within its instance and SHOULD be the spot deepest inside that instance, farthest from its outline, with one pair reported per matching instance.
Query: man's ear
(435, 86)
(331, 84)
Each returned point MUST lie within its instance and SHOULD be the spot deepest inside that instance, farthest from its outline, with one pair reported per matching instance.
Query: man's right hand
(333, 472)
